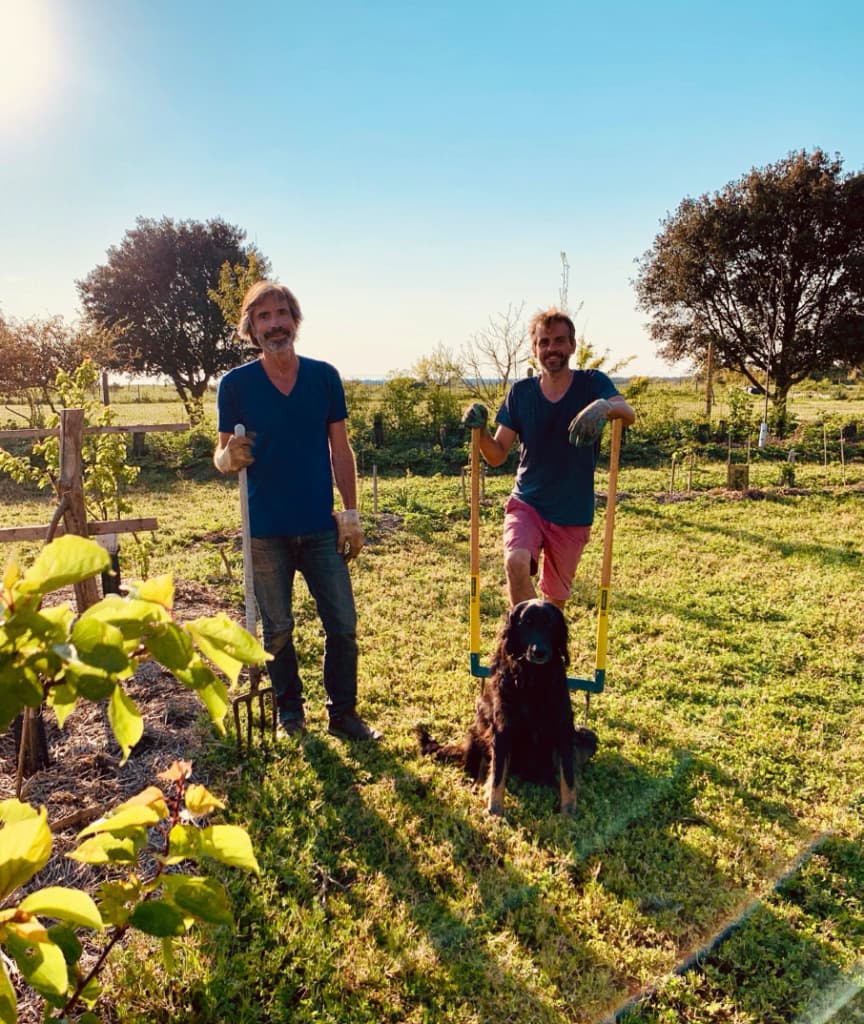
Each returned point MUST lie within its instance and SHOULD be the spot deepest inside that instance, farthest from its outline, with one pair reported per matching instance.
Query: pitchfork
(263, 697)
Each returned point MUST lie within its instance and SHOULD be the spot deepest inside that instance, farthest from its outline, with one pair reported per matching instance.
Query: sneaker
(351, 726)
(292, 727)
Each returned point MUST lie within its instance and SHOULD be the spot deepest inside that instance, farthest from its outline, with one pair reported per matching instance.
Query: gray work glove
(475, 416)
(236, 455)
(587, 427)
(349, 533)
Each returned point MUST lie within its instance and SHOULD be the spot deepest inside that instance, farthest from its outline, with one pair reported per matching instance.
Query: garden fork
(262, 698)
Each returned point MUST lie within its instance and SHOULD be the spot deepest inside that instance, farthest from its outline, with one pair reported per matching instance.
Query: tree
(234, 282)
(769, 271)
(441, 368)
(33, 352)
(155, 292)
(492, 356)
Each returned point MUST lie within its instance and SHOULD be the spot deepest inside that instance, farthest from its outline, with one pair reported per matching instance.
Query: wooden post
(70, 488)
(709, 381)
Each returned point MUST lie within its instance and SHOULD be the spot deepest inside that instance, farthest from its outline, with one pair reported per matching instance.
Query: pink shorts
(525, 529)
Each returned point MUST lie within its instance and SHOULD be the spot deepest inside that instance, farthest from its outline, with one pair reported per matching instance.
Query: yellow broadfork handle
(474, 604)
(606, 571)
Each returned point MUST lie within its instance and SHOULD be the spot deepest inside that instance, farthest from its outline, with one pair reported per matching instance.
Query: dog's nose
(538, 655)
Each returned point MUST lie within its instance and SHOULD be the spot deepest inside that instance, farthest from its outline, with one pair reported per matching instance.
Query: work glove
(475, 416)
(349, 533)
(236, 455)
(587, 427)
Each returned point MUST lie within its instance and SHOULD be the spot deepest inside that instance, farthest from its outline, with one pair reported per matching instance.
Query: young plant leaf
(126, 817)
(156, 917)
(40, 961)
(64, 904)
(203, 898)
(229, 844)
(25, 844)
(69, 559)
(8, 1000)
(200, 801)
(109, 849)
(126, 721)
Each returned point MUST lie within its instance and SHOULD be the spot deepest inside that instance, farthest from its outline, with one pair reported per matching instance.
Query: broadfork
(256, 696)
(590, 686)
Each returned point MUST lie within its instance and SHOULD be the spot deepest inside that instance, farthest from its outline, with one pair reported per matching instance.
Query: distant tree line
(764, 278)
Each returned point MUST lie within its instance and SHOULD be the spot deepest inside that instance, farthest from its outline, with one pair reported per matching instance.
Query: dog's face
(536, 632)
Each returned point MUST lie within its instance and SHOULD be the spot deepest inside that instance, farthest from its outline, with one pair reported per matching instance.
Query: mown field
(727, 790)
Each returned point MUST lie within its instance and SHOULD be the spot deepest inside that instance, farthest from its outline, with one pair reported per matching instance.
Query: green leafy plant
(106, 469)
(49, 655)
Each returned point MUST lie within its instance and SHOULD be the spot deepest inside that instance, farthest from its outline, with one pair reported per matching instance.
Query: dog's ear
(507, 644)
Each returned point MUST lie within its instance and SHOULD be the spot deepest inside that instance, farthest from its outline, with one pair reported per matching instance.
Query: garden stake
(590, 686)
(263, 698)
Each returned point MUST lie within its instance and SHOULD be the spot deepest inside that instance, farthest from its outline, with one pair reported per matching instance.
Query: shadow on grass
(782, 961)
(827, 554)
(454, 927)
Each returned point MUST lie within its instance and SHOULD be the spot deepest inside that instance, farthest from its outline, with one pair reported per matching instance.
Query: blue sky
(409, 170)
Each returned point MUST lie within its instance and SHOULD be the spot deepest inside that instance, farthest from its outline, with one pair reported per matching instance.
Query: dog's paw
(584, 746)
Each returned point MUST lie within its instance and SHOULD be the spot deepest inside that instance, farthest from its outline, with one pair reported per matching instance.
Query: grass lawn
(727, 787)
(731, 744)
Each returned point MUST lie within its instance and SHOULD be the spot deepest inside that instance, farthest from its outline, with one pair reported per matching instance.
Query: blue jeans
(275, 561)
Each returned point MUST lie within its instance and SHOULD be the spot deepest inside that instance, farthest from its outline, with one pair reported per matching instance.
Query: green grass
(730, 741)
(730, 737)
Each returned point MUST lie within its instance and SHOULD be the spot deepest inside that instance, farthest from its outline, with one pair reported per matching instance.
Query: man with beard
(296, 444)
(558, 416)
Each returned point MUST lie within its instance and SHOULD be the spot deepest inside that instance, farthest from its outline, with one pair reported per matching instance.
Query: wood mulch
(85, 778)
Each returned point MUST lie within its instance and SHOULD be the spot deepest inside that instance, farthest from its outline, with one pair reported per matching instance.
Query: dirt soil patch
(85, 778)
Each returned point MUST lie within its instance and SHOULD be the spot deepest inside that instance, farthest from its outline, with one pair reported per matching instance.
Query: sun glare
(29, 60)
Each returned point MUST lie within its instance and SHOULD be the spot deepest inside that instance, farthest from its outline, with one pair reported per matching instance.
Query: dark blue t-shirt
(290, 481)
(554, 477)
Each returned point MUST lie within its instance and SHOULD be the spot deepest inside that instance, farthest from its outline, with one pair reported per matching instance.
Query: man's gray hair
(258, 291)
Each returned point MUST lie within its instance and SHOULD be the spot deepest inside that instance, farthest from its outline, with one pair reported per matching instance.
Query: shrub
(49, 656)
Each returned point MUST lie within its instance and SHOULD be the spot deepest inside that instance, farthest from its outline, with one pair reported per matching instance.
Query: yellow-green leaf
(199, 801)
(128, 816)
(215, 698)
(8, 1001)
(100, 645)
(184, 843)
(203, 898)
(160, 589)
(64, 904)
(229, 844)
(152, 797)
(25, 845)
(169, 645)
(126, 721)
(69, 559)
(156, 917)
(109, 849)
(40, 961)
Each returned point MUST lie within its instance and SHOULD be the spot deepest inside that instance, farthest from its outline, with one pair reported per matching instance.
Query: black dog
(523, 721)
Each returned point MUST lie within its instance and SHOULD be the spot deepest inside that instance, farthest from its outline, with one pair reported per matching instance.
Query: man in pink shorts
(558, 416)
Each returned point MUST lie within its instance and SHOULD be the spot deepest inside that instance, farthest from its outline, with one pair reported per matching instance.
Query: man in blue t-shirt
(296, 444)
(558, 417)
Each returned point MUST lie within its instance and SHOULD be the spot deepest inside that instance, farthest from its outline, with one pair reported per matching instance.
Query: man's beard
(277, 342)
(553, 362)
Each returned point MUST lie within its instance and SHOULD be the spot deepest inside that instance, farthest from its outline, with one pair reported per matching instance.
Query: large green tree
(769, 272)
(156, 293)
